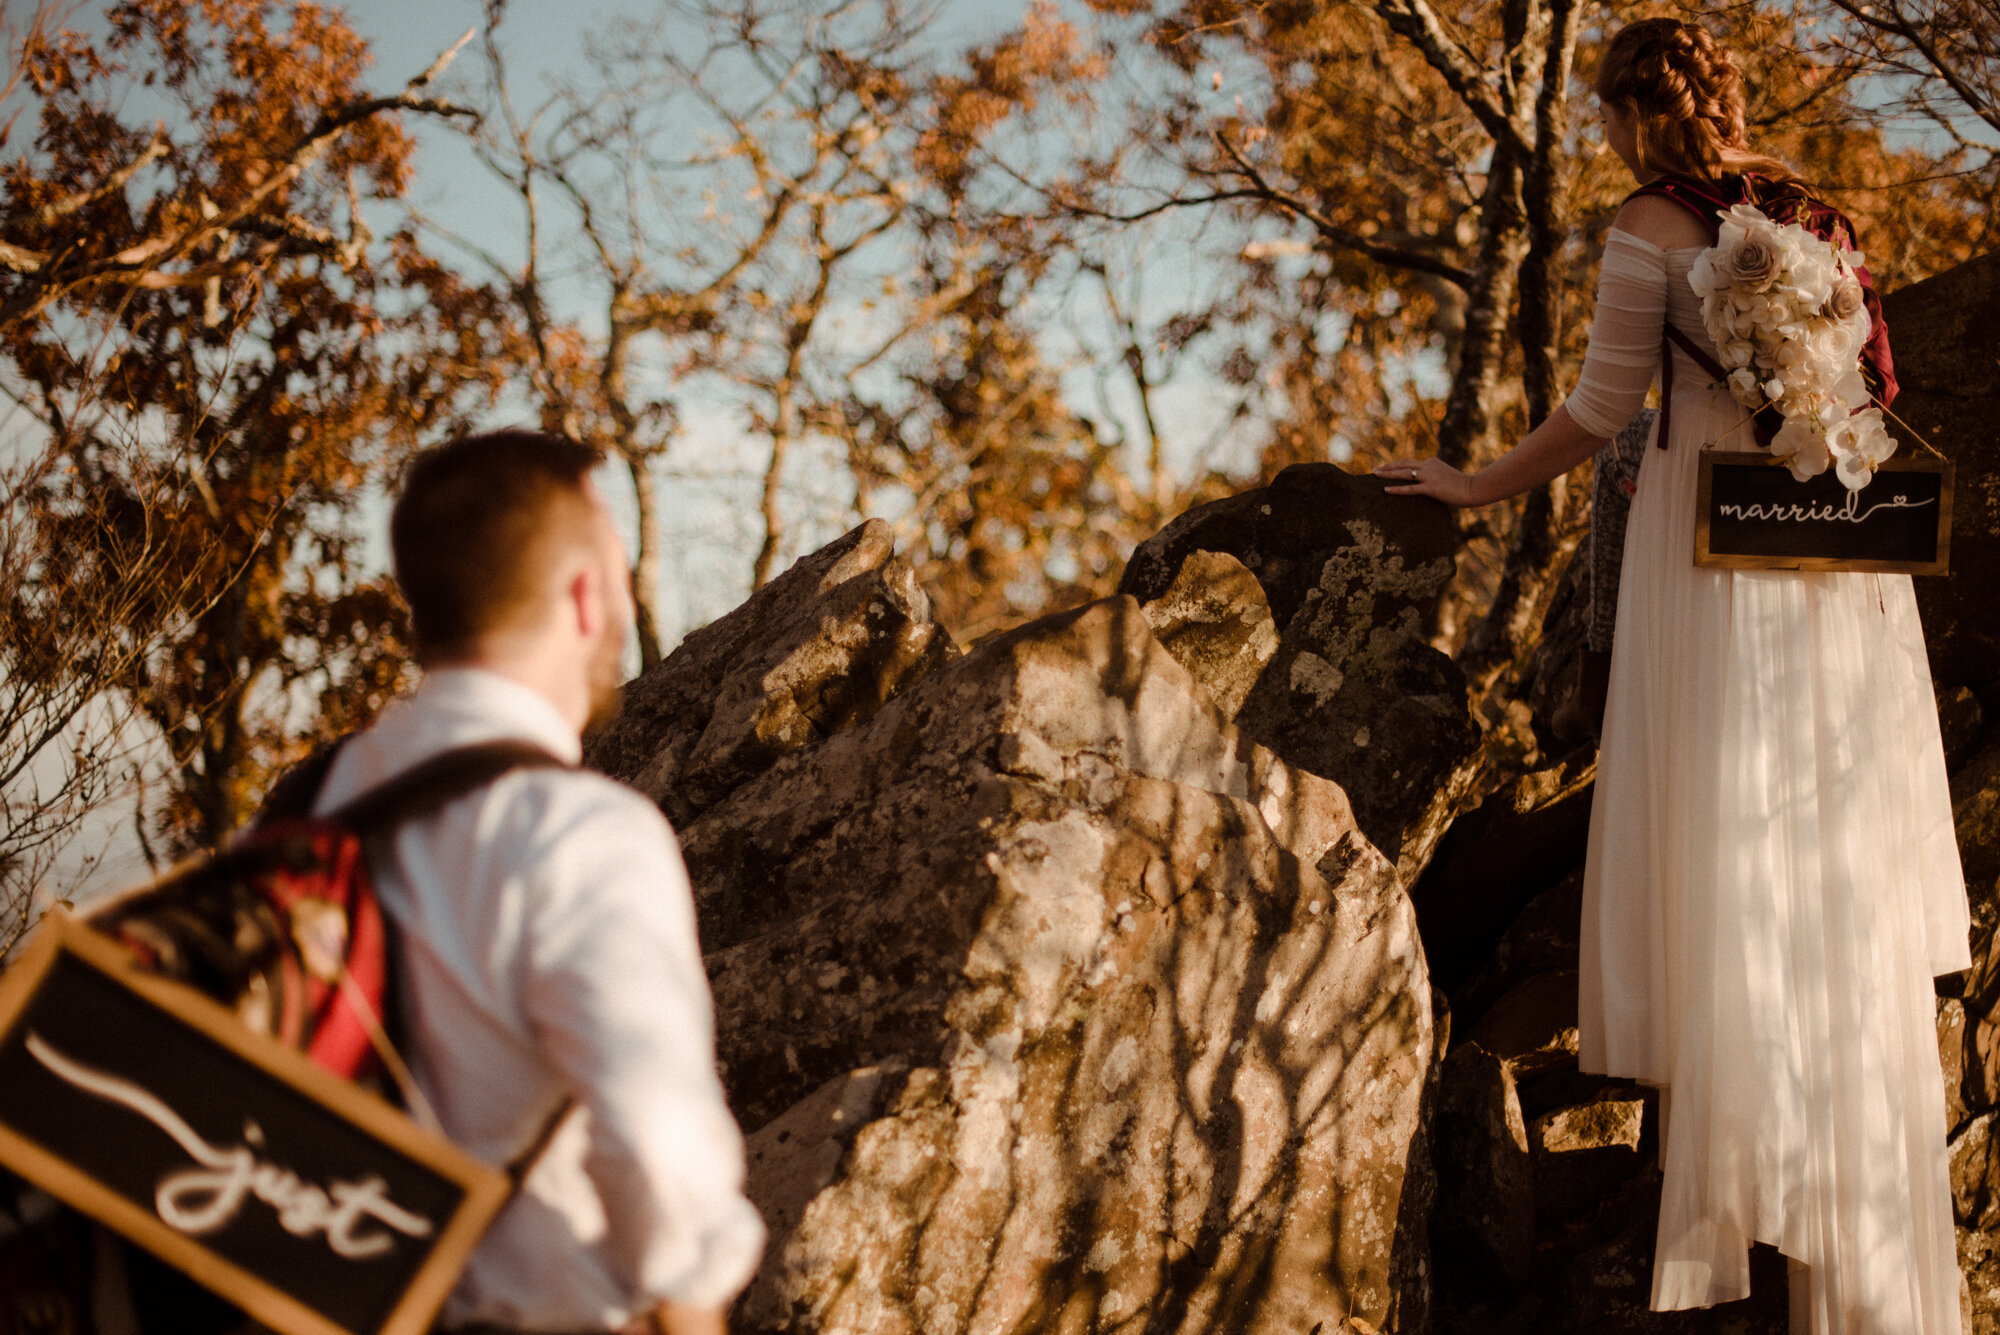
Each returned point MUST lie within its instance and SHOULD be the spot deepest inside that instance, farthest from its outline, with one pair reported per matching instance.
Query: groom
(546, 928)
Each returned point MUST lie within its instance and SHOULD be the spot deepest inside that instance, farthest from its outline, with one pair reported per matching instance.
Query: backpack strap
(415, 793)
(1701, 198)
(425, 788)
(291, 797)
(421, 791)
(1705, 202)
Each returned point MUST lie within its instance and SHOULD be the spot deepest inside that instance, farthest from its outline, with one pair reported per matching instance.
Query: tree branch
(1395, 256)
(1898, 24)
(1418, 23)
(54, 271)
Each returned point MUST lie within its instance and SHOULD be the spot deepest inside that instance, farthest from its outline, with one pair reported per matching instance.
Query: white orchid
(1870, 436)
(1802, 446)
(1786, 313)
(1744, 388)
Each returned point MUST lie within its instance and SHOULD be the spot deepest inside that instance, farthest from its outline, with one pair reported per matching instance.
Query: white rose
(1811, 276)
(1846, 300)
(1829, 342)
(1736, 352)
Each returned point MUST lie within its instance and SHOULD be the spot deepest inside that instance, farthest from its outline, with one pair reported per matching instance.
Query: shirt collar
(492, 699)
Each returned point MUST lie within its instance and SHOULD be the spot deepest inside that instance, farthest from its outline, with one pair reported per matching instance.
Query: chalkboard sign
(1751, 513)
(312, 1205)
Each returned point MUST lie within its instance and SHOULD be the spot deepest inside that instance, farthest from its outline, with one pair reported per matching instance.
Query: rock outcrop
(1216, 623)
(1354, 692)
(1969, 1037)
(1495, 859)
(821, 647)
(1050, 1000)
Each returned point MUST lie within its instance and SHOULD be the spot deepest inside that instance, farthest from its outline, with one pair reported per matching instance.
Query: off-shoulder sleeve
(1624, 335)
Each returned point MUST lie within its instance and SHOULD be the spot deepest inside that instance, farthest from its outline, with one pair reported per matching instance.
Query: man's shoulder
(572, 837)
(561, 801)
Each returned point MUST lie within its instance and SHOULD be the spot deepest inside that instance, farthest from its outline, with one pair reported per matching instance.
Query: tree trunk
(781, 437)
(645, 494)
(1506, 634)
(1467, 429)
(646, 558)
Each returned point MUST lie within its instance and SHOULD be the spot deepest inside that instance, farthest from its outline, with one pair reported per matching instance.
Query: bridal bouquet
(1786, 313)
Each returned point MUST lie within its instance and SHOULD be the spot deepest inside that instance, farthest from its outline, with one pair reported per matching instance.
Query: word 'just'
(202, 1200)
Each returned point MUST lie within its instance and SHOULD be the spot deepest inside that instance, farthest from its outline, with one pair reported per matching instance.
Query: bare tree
(724, 174)
(1949, 48)
(210, 358)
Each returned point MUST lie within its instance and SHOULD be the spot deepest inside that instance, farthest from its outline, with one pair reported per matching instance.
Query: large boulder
(1216, 623)
(1049, 1001)
(1286, 532)
(1948, 365)
(818, 649)
(1354, 691)
(1072, 702)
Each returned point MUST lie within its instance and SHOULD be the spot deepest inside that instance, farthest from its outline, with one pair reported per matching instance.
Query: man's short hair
(478, 523)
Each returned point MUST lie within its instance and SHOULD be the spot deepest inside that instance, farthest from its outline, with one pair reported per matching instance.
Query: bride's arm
(1549, 451)
(1617, 370)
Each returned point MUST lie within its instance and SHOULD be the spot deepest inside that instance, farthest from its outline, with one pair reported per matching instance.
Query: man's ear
(585, 597)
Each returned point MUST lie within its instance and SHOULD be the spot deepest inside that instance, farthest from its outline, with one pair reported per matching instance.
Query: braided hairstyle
(1684, 96)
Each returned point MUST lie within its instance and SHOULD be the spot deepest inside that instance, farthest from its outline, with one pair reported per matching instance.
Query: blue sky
(711, 518)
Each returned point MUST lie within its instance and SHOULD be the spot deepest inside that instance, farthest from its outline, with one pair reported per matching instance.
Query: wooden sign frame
(61, 939)
(1704, 555)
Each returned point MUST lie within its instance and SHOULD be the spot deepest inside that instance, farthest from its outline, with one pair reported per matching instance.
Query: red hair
(1684, 97)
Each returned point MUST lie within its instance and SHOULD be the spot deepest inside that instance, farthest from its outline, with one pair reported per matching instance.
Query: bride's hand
(1427, 477)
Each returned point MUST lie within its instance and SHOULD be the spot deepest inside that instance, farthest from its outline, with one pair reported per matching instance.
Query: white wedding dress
(1772, 880)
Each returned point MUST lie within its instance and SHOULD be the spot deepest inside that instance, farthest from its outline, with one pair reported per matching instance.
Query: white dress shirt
(547, 946)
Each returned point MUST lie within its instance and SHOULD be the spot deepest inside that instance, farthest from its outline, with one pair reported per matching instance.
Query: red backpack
(283, 926)
(1783, 202)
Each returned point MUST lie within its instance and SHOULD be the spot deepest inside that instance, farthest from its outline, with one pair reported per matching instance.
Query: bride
(1772, 879)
